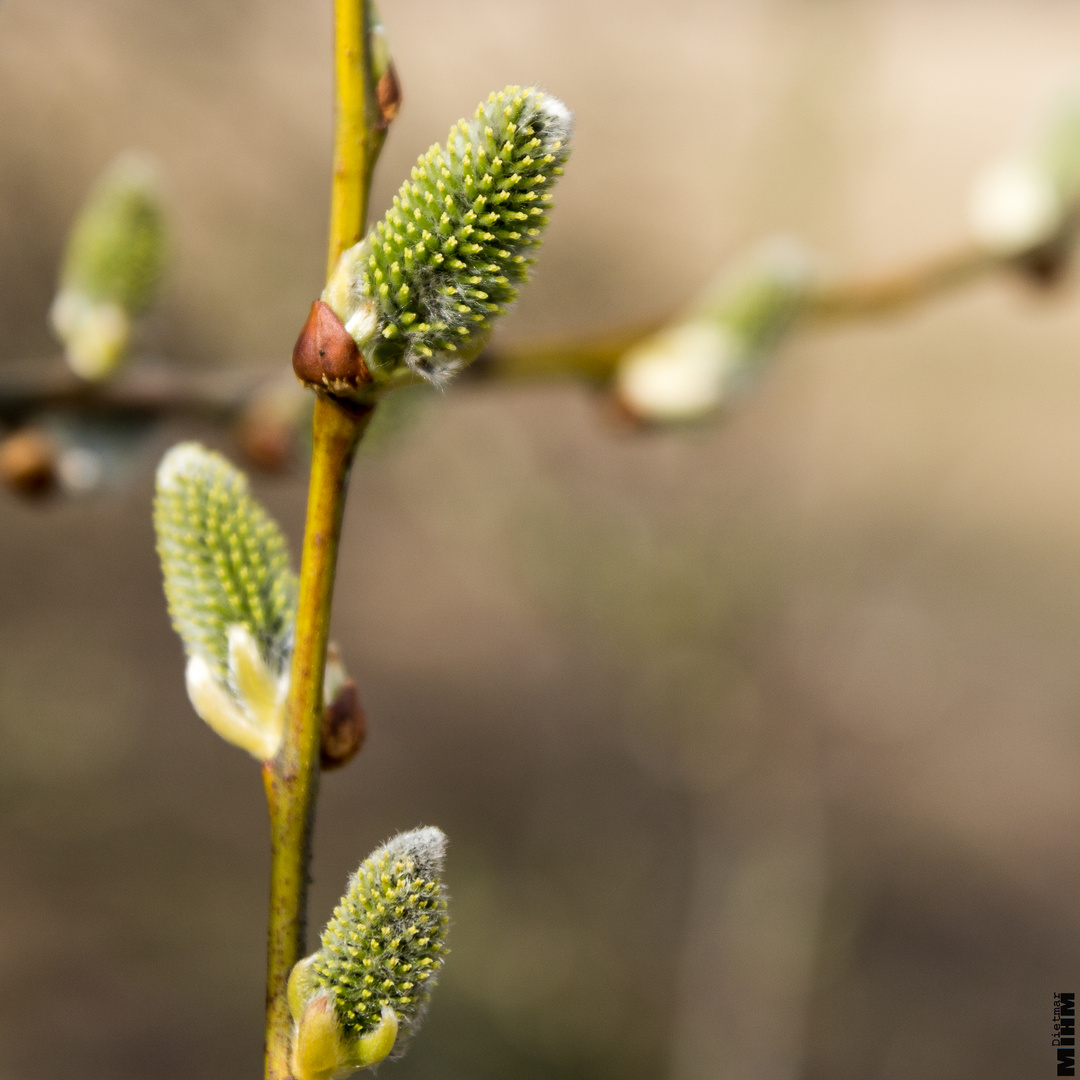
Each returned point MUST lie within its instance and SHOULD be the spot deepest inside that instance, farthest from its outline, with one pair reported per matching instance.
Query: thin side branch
(899, 289)
(148, 390)
(159, 391)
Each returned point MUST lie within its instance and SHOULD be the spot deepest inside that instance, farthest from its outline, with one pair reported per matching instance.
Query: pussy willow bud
(691, 368)
(232, 598)
(420, 293)
(383, 72)
(231, 595)
(344, 723)
(112, 267)
(364, 992)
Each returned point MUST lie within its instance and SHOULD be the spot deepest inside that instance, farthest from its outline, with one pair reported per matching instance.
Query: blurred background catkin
(757, 743)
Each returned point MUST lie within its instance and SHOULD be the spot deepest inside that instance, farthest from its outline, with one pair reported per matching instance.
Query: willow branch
(163, 391)
(903, 288)
(359, 130)
(148, 391)
(592, 357)
(292, 779)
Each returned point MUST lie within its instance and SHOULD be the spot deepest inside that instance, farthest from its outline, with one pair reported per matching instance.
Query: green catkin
(692, 367)
(112, 268)
(384, 945)
(757, 303)
(450, 254)
(116, 249)
(224, 560)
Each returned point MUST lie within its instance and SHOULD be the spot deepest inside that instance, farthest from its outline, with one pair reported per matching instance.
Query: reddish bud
(344, 727)
(28, 462)
(388, 92)
(267, 443)
(1046, 264)
(268, 424)
(325, 355)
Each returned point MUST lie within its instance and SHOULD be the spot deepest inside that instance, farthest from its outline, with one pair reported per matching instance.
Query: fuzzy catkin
(117, 245)
(384, 945)
(224, 560)
(449, 255)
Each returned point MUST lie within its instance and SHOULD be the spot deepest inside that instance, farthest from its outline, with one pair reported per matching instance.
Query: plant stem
(292, 778)
(359, 134)
(592, 357)
(33, 386)
(902, 288)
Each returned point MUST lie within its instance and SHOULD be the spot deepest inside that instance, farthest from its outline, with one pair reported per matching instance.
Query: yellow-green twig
(596, 357)
(901, 288)
(292, 778)
(593, 357)
(358, 134)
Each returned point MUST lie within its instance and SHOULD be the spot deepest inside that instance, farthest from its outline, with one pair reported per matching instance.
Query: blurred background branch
(267, 409)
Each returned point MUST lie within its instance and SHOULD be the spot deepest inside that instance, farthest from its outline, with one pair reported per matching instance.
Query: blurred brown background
(757, 744)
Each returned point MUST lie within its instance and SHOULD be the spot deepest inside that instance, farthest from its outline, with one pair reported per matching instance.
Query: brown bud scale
(28, 462)
(344, 727)
(388, 92)
(325, 355)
